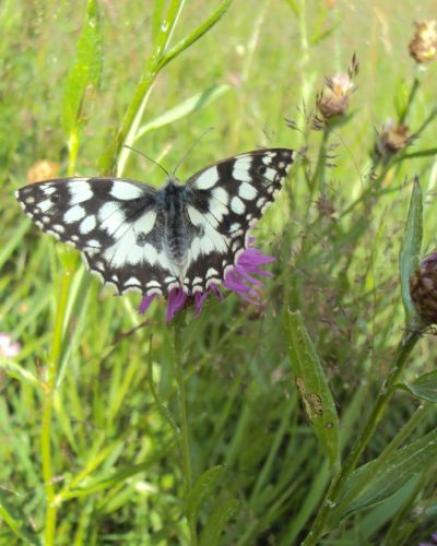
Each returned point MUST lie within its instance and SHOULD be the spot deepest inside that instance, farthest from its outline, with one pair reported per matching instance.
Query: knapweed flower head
(423, 289)
(433, 541)
(333, 100)
(392, 138)
(423, 46)
(241, 279)
(8, 347)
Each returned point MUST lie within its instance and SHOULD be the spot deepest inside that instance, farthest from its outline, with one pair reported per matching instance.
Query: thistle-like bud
(423, 289)
(42, 170)
(423, 46)
(333, 100)
(392, 138)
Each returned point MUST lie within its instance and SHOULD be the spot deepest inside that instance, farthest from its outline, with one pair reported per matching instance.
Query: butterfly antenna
(147, 157)
(190, 149)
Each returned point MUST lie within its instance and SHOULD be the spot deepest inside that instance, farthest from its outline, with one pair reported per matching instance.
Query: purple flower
(8, 348)
(240, 279)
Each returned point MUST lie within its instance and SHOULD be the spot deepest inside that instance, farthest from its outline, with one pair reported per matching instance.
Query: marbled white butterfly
(180, 236)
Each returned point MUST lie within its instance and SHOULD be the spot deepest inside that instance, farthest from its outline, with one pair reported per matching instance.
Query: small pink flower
(240, 279)
(8, 348)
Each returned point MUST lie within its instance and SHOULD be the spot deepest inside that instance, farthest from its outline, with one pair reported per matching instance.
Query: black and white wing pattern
(225, 201)
(180, 236)
(112, 221)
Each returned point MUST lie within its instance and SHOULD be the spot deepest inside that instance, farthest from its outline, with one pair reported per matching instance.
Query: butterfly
(181, 236)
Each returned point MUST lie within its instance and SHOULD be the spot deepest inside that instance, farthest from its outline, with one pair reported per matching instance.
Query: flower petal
(176, 301)
(145, 303)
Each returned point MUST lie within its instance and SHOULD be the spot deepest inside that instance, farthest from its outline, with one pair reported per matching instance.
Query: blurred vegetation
(91, 406)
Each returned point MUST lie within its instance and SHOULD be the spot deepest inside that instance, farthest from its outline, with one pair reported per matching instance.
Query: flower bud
(392, 138)
(334, 99)
(42, 170)
(423, 46)
(423, 289)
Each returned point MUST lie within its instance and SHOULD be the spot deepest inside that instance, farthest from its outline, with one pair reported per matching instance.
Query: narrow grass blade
(372, 483)
(424, 387)
(429, 152)
(313, 385)
(86, 68)
(410, 251)
(183, 109)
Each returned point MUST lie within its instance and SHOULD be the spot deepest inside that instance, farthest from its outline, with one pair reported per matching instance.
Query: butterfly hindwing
(226, 201)
(113, 222)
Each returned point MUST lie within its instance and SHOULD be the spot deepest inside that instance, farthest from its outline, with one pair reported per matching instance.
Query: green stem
(406, 345)
(47, 410)
(411, 96)
(184, 438)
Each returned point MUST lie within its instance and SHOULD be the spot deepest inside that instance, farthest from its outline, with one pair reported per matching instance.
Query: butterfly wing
(224, 201)
(113, 222)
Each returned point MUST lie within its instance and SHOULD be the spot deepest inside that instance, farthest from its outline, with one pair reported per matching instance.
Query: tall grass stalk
(46, 435)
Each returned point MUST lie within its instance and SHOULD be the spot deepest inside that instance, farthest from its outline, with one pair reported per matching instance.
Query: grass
(282, 425)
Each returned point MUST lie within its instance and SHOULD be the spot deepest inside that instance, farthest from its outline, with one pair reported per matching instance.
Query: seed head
(423, 46)
(423, 289)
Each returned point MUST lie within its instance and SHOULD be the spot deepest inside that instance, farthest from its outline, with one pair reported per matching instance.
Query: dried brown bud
(334, 99)
(423, 46)
(423, 289)
(42, 170)
(392, 138)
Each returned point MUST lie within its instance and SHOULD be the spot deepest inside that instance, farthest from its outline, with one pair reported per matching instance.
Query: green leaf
(202, 489)
(410, 251)
(216, 522)
(313, 385)
(86, 69)
(188, 106)
(202, 29)
(374, 482)
(424, 387)
(323, 35)
(18, 372)
(294, 5)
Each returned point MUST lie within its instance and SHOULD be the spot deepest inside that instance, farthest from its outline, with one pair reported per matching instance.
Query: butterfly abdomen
(175, 223)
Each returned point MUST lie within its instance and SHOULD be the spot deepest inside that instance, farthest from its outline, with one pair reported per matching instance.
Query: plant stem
(184, 438)
(47, 410)
(411, 96)
(406, 345)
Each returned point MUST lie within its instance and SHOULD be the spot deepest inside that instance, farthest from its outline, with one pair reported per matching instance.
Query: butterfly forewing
(228, 198)
(113, 222)
(136, 237)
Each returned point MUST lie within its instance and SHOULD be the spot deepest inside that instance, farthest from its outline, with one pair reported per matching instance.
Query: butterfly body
(184, 236)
